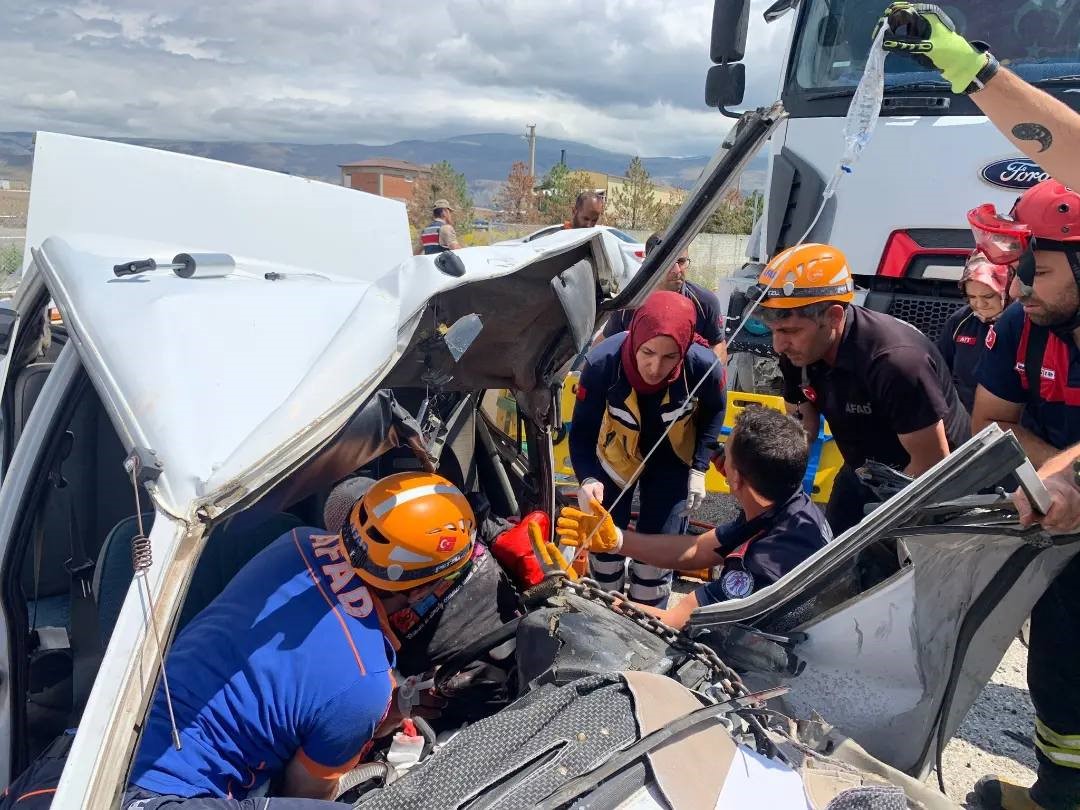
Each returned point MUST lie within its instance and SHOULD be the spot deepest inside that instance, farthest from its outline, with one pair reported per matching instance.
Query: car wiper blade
(889, 90)
(1072, 79)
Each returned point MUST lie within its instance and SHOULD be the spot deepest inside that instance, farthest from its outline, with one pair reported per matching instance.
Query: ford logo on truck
(1018, 173)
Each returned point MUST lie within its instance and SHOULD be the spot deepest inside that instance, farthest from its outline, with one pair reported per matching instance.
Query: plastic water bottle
(865, 106)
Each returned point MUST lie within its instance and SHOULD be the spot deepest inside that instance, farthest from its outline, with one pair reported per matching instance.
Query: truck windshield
(1038, 39)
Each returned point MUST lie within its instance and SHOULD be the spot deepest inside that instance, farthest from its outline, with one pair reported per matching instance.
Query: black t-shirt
(710, 320)
(779, 540)
(888, 380)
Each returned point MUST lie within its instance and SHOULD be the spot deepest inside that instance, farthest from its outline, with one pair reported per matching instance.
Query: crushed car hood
(229, 380)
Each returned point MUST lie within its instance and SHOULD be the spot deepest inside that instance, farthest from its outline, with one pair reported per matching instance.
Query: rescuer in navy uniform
(963, 338)
(1029, 383)
(777, 527)
(649, 387)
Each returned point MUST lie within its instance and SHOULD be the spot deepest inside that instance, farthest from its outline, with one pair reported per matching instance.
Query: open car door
(895, 664)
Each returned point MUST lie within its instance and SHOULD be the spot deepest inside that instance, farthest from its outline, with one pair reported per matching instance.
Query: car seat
(226, 552)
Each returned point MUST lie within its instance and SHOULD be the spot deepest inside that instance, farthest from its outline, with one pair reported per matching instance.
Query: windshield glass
(1038, 39)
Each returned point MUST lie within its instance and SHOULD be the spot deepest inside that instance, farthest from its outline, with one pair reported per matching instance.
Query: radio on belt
(185, 265)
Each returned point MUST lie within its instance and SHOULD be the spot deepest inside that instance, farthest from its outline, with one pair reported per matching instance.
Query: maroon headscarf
(663, 313)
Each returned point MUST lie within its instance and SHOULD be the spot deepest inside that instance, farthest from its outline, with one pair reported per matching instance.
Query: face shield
(1000, 239)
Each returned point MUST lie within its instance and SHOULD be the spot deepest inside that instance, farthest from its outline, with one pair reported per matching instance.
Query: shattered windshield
(1038, 39)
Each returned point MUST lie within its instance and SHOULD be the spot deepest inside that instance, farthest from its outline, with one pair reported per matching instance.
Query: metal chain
(728, 680)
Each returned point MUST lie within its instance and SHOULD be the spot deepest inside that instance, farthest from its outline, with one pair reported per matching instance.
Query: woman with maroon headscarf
(634, 386)
(963, 338)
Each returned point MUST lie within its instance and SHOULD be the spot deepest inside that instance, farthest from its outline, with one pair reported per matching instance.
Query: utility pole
(530, 133)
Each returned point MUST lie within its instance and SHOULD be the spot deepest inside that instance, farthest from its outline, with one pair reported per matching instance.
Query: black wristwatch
(989, 70)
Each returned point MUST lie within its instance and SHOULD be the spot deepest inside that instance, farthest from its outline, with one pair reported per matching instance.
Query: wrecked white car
(235, 342)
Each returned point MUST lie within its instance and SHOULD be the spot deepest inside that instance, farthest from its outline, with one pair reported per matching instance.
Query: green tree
(447, 183)
(736, 213)
(558, 190)
(634, 205)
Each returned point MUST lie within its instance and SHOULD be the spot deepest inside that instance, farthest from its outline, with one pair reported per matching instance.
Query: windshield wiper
(1057, 80)
(889, 90)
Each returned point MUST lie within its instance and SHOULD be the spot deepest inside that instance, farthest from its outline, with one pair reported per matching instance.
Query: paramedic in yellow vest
(439, 235)
(634, 386)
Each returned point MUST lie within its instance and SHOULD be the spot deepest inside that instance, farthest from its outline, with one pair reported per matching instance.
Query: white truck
(900, 216)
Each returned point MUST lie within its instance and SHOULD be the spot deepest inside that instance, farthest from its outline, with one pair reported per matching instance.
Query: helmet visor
(1001, 240)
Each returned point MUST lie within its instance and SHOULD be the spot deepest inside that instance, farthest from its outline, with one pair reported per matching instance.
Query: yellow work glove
(597, 531)
(937, 46)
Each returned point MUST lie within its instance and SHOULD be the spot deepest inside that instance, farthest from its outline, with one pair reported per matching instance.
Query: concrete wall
(712, 255)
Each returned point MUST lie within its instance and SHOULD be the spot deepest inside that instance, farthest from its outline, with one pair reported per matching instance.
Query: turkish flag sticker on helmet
(991, 338)
(446, 543)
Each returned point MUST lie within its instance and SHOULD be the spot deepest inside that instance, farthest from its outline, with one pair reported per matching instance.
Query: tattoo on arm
(1033, 132)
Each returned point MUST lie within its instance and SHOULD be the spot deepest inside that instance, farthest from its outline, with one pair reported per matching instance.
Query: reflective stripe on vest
(618, 445)
(429, 237)
(1045, 351)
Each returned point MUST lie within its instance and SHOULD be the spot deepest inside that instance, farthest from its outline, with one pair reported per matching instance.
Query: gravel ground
(983, 744)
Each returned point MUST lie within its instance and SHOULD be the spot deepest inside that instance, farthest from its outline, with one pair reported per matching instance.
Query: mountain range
(485, 159)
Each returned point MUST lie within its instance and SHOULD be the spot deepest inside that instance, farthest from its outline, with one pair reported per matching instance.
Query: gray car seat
(225, 554)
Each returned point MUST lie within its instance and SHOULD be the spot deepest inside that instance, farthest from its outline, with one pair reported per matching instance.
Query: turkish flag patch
(991, 338)
(580, 392)
(809, 393)
(446, 543)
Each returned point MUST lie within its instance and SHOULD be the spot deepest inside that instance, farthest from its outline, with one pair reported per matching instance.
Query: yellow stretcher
(825, 459)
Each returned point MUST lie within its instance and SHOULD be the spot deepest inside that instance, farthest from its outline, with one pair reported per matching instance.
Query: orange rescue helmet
(409, 529)
(804, 275)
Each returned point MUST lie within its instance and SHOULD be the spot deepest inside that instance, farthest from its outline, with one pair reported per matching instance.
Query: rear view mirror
(725, 86)
(729, 26)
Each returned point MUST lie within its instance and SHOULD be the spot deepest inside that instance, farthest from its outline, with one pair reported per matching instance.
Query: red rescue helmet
(1045, 217)
(1052, 212)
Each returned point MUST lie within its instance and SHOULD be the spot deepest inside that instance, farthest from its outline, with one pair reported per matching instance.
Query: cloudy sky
(626, 75)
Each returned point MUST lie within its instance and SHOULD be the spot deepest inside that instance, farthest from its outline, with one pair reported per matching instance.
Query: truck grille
(926, 313)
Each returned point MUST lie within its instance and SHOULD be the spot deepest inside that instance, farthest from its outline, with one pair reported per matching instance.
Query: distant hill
(484, 159)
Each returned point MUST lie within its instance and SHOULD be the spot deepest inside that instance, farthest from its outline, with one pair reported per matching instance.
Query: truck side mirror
(729, 26)
(725, 86)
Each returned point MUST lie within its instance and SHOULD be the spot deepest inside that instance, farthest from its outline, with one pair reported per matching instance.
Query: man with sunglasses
(1029, 382)
(710, 320)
